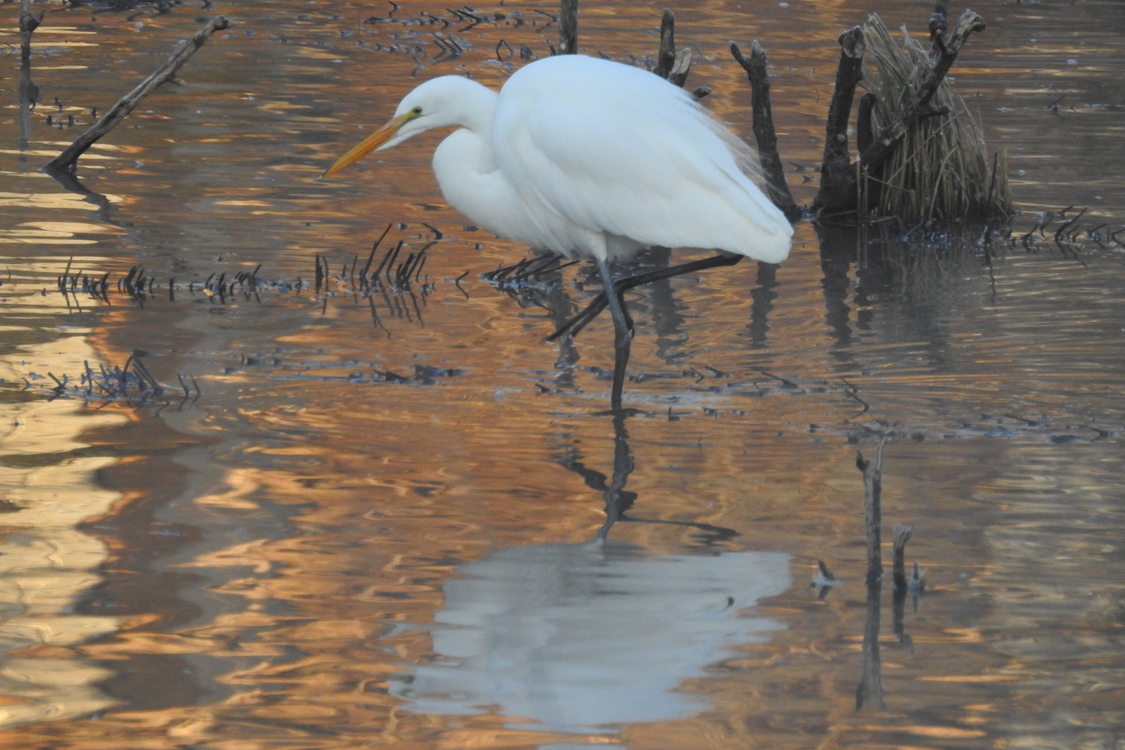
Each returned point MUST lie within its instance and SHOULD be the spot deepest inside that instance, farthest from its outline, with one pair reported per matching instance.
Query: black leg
(579, 321)
(622, 334)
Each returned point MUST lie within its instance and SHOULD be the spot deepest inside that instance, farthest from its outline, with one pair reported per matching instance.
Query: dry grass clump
(941, 169)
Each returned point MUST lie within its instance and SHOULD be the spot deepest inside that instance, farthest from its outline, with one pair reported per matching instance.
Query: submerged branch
(873, 508)
(568, 27)
(67, 161)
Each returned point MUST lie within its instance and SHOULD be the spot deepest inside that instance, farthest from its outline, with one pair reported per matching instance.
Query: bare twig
(670, 65)
(873, 508)
(900, 535)
(939, 21)
(939, 166)
(869, 691)
(29, 22)
(666, 57)
(568, 27)
(864, 129)
(67, 161)
(875, 154)
(837, 177)
(757, 71)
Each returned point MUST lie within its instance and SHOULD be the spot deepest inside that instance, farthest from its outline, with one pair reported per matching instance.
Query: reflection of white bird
(591, 158)
(578, 638)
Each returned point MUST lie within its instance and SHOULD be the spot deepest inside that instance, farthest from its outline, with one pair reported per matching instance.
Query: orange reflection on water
(52, 233)
(285, 550)
(46, 563)
(53, 201)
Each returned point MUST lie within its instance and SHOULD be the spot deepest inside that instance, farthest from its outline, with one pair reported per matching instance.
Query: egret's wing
(634, 157)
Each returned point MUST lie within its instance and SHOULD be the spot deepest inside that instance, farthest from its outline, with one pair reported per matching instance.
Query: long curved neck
(471, 106)
(466, 168)
(468, 177)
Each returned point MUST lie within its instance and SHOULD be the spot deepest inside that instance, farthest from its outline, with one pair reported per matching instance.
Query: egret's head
(426, 107)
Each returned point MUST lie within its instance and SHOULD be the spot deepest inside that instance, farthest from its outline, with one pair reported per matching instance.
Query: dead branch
(873, 508)
(67, 161)
(28, 91)
(864, 129)
(568, 27)
(666, 57)
(869, 691)
(680, 69)
(670, 65)
(757, 72)
(837, 176)
(29, 22)
(939, 22)
(946, 50)
(900, 535)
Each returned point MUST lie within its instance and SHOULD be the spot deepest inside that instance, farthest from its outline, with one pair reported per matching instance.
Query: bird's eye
(416, 111)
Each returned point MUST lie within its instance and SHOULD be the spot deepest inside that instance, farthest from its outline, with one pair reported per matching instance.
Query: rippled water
(384, 519)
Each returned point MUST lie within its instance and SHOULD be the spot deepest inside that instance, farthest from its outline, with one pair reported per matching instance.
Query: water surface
(383, 519)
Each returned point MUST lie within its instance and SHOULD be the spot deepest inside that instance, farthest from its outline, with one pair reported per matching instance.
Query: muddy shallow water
(374, 519)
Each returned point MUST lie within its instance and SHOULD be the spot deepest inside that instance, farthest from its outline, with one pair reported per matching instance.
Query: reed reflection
(47, 562)
(537, 281)
(918, 281)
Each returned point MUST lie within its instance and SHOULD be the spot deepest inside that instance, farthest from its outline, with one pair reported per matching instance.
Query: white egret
(594, 159)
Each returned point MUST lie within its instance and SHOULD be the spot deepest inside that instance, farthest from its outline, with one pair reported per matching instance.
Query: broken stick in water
(900, 535)
(837, 174)
(568, 27)
(67, 161)
(873, 508)
(29, 22)
(757, 72)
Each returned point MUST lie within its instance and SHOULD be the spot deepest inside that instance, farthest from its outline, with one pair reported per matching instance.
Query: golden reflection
(54, 233)
(331, 524)
(33, 237)
(969, 678)
(244, 203)
(46, 563)
(51, 28)
(54, 201)
(282, 107)
(942, 732)
(54, 45)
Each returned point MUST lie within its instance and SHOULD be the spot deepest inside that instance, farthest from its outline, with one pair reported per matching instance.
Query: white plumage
(590, 158)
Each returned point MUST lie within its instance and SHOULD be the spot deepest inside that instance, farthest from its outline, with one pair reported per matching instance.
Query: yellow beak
(369, 144)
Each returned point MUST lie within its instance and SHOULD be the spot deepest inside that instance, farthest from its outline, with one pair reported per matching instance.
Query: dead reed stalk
(941, 169)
